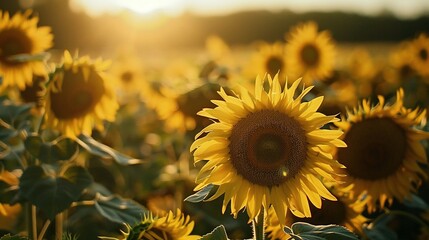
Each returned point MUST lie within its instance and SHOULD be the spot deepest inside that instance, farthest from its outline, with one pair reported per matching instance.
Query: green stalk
(258, 227)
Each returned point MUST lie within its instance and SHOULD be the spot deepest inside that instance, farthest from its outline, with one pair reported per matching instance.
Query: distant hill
(76, 30)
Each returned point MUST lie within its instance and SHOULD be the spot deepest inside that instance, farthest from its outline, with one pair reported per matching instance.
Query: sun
(147, 8)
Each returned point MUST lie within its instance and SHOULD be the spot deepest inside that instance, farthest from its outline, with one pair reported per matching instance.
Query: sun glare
(98, 7)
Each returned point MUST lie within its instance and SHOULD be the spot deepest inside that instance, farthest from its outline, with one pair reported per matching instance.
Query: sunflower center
(127, 76)
(376, 148)
(273, 65)
(310, 55)
(156, 233)
(267, 147)
(13, 42)
(33, 93)
(332, 212)
(423, 54)
(77, 96)
(405, 70)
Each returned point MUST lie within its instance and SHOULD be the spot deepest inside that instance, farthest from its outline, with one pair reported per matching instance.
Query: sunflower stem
(59, 226)
(258, 227)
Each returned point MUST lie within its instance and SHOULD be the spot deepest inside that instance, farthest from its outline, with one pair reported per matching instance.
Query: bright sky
(401, 8)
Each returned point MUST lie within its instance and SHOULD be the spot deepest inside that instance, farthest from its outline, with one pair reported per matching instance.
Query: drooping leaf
(415, 201)
(218, 233)
(120, 210)
(14, 113)
(51, 152)
(379, 230)
(306, 231)
(52, 194)
(13, 119)
(200, 195)
(104, 151)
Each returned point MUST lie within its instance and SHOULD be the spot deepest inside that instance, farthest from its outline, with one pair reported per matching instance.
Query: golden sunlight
(97, 7)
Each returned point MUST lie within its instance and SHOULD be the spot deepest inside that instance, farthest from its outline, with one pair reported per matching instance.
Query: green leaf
(218, 233)
(14, 237)
(415, 202)
(29, 57)
(53, 194)
(10, 113)
(200, 195)
(7, 192)
(120, 210)
(306, 231)
(104, 151)
(51, 152)
(380, 230)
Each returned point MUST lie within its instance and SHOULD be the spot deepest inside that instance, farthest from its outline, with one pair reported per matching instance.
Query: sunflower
(169, 227)
(420, 51)
(310, 53)
(341, 212)
(129, 78)
(267, 150)
(271, 59)
(384, 151)
(20, 36)
(179, 110)
(401, 65)
(80, 97)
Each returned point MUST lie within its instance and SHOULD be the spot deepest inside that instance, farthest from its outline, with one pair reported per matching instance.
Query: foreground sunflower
(20, 35)
(80, 97)
(267, 150)
(384, 151)
(169, 227)
(310, 53)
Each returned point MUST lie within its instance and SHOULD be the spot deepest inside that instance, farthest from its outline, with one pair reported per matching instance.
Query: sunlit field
(180, 120)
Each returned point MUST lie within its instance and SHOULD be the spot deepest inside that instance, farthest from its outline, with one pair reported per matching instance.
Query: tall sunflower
(267, 150)
(19, 35)
(401, 63)
(169, 227)
(180, 110)
(127, 71)
(310, 53)
(80, 97)
(271, 59)
(420, 51)
(384, 151)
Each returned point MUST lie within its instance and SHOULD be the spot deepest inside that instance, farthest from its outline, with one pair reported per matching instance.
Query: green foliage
(14, 237)
(52, 194)
(200, 195)
(218, 233)
(306, 231)
(69, 236)
(120, 210)
(29, 57)
(7, 192)
(378, 230)
(51, 152)
(104, 151)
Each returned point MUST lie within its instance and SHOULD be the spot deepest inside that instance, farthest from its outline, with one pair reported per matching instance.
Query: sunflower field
(303, 138)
